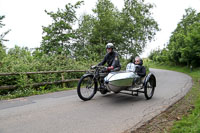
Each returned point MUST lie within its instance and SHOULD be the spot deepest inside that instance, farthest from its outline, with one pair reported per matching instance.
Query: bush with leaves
(22, 60)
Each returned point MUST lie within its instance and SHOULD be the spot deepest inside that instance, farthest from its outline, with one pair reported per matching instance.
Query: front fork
(100, 80)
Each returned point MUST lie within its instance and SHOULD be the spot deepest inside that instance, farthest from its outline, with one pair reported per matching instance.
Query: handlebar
(94, 67)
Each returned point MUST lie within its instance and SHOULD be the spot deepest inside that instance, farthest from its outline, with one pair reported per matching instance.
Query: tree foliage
(184, 44)
(58, 35)
(129, 30)
(139, 26)
(2, 35)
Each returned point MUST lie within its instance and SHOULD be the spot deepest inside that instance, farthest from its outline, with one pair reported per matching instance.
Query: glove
(105, 69)
(110, 68)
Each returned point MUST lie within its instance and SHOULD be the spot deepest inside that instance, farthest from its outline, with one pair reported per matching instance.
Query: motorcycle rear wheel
(86, 88)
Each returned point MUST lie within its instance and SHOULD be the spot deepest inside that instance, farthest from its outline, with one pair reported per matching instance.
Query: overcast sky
(25, 18)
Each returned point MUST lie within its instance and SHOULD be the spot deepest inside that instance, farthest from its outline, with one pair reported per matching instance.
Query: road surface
(64, 112)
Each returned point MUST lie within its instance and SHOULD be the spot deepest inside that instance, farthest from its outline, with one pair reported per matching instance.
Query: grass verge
(182, 117)
(30, 91)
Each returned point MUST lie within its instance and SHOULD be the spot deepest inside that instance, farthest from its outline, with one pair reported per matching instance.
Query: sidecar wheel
(149, 88)
(86, 88)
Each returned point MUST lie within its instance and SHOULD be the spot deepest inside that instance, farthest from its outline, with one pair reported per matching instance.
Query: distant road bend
(64, 112)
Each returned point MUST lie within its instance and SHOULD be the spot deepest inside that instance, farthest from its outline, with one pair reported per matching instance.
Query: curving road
(64, 112)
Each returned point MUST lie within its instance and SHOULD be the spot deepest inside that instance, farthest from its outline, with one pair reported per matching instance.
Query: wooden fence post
(62, 76)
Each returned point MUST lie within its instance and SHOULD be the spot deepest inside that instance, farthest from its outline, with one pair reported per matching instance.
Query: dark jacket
(111, 59)
(140, 70)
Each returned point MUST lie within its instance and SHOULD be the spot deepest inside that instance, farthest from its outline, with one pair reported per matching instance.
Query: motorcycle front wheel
(86, 88)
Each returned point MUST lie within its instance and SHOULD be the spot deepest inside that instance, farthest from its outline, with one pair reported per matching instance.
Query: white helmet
(110, 45)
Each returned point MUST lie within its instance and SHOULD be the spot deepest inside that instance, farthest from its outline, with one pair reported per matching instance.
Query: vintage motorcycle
(97, 79)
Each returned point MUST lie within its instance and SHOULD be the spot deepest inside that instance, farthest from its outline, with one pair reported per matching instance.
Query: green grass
(191, 122)
(24, 92)
(31, 91)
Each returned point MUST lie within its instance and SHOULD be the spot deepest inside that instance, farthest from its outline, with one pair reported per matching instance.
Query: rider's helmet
(109, 45)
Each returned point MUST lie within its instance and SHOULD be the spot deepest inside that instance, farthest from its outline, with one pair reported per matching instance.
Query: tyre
(86, 88)
(149, 88)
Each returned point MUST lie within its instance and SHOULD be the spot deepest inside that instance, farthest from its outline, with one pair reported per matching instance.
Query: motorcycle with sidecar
(96, 79)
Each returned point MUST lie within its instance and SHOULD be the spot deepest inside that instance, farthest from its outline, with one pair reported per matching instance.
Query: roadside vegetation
(184, 116)
(64, 47)
(182, 54)
(190, 122)
(183, 48)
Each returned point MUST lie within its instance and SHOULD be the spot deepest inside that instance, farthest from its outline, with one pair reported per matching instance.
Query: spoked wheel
(87, 88)
(149, 88)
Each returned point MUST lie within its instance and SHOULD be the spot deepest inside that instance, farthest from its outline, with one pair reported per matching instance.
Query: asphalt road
(64, 112)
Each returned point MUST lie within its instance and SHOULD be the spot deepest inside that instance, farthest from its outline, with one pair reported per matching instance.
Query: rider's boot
(133, 84)
(103, 89)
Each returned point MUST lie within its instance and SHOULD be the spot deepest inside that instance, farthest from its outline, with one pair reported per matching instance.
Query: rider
(111, 58)
(113, 64)
(140, 70)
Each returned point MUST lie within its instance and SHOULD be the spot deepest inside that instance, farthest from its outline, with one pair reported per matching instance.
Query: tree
(83, 35)
(184, 43)
(106, 26)
(2, 35)
(190, 53)
(57, 36)
(139, 26)
(129, 30)
(95, 31)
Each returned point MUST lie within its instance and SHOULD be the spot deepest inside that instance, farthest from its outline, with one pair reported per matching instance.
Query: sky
(25, 18)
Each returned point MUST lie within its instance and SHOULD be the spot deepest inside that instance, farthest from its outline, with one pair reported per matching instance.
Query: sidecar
(123, 82)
